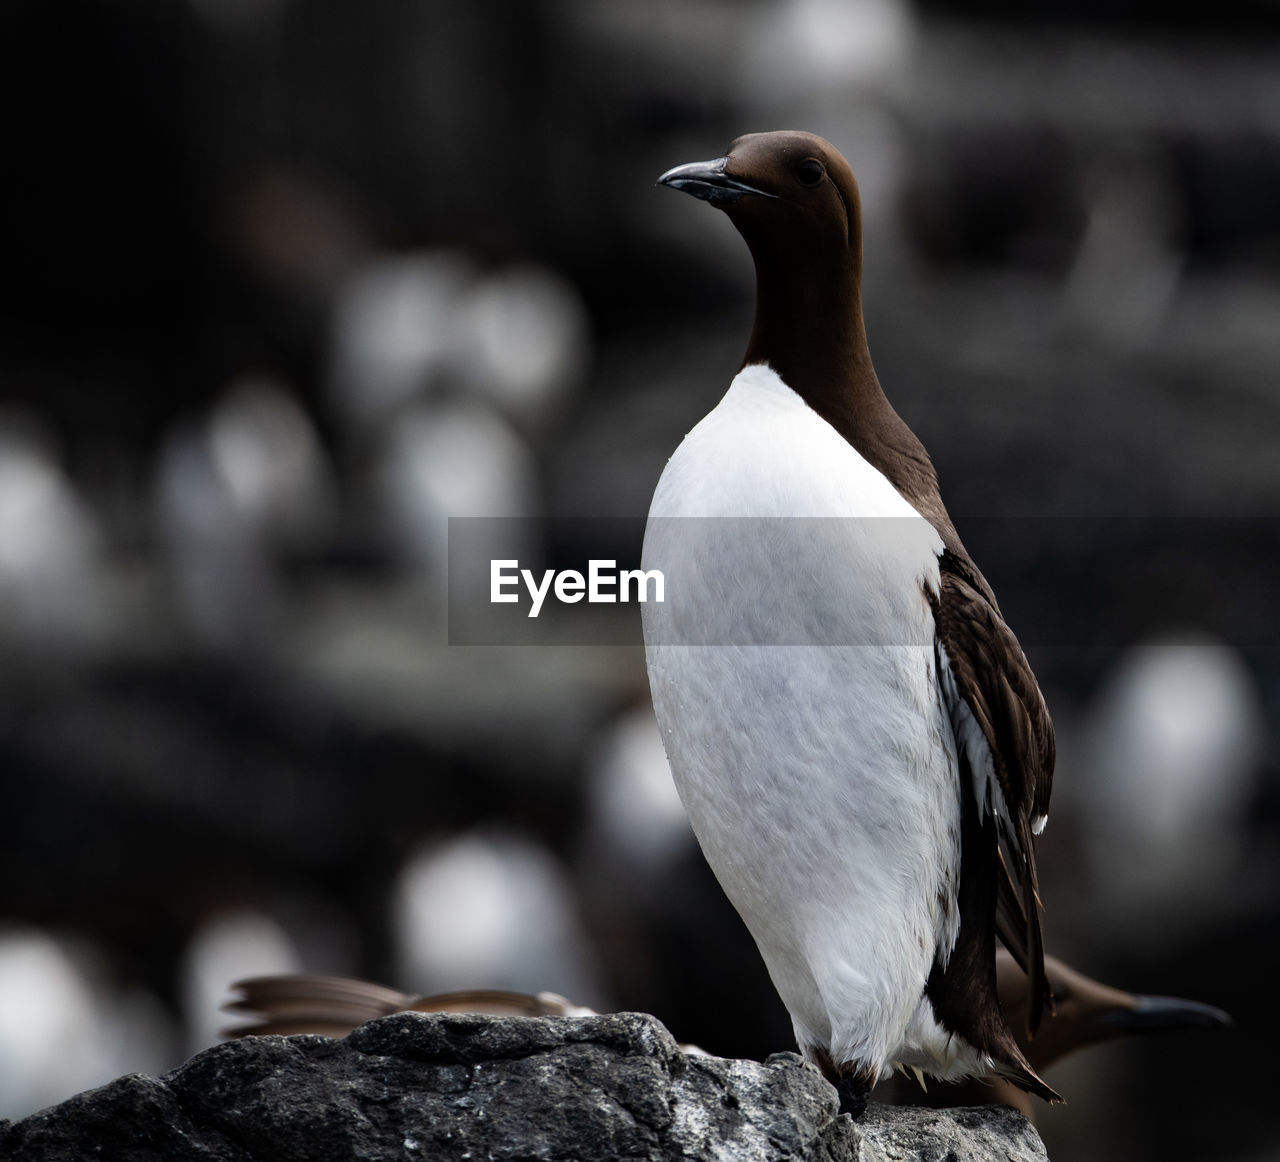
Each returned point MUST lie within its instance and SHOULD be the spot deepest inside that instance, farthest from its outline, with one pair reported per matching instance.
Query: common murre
(860, 743)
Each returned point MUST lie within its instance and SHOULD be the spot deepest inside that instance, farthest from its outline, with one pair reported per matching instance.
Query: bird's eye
(809, 172)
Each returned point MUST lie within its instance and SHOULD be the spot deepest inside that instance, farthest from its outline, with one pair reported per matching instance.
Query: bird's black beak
(707, 180)
(1149, 1014)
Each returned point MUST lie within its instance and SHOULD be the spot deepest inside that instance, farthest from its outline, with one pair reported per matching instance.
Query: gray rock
(449, 1086)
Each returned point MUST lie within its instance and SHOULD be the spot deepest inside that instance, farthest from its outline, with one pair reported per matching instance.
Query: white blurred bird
(50, 546)
(227, 946)
(236, 493)
(635, 817)
(270, 461)
(1173, 746)
(523, 343)
(491, 907)
(394, 331)
(457, 458)
(62, 1030)
(408, 327)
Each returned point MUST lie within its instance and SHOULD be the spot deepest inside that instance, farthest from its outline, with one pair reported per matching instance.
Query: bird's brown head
(790, 194)
(793, 198)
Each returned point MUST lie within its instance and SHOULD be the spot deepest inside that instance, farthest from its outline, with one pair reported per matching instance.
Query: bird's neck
(809, 329)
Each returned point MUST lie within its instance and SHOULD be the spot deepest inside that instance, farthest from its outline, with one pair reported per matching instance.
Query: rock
(454, 1086)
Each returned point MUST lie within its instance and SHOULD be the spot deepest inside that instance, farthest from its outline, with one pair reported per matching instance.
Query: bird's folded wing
(1000, 718)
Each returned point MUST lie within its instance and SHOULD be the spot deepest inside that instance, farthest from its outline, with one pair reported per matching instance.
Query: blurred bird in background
(1173, 744)
(1087, 1013)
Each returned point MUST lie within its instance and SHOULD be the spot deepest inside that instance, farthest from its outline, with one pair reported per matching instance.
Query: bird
(1086, 1012)
(857, 736)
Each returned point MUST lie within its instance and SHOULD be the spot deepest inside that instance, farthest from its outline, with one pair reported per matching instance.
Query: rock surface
(449, 1086)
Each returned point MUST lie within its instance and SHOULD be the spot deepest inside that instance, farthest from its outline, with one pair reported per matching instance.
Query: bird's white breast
(793, 676)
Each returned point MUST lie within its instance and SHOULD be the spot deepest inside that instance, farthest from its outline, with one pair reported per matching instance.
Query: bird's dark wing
(1001, 721)
(308, 1003)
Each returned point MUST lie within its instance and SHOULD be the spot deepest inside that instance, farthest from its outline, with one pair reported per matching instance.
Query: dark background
(289, 282)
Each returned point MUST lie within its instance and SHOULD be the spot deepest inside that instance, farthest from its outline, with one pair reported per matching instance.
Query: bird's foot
(855, 1092)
